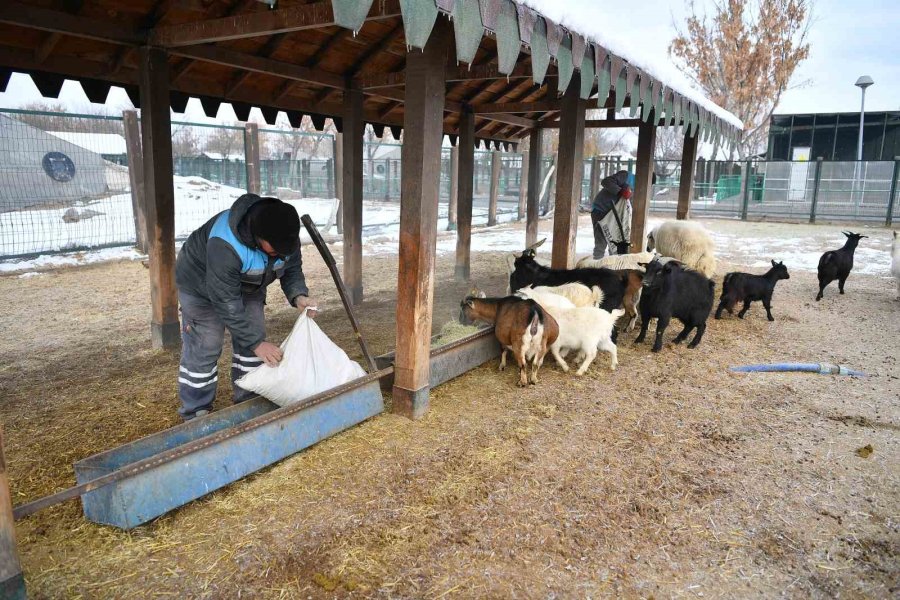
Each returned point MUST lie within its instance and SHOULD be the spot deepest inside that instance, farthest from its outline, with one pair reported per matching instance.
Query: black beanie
(277, 223)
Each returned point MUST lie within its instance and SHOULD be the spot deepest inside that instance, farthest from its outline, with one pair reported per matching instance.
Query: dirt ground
(668, 477)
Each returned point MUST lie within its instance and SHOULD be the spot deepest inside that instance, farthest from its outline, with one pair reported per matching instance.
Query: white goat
(578, 293)
(545, 298)
(895, 261)
(686, 242)
(585, 329)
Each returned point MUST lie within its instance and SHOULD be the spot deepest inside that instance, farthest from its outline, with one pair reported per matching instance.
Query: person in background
(222, 272)
(611, 215)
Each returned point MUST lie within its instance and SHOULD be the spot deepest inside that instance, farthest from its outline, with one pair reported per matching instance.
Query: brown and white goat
(521, 326)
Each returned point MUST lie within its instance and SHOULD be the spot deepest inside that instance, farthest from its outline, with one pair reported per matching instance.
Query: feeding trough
(451, 360)
(186, 462)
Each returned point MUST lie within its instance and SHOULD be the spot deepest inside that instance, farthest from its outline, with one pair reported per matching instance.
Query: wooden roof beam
(477, 73)
(255, 24)
(34, 17)
(312, 61)
(268, 66)
(515, 107)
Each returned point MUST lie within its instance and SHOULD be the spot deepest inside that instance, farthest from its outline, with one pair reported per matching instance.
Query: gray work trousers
(202, 337)
(600, 242)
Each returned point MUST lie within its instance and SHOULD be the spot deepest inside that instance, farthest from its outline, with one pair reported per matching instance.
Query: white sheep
(687, 242)
(895, 261)
(578, 293)
(584, 329)
(617, 262)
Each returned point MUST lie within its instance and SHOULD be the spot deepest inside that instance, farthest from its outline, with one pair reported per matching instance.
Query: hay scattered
(667, 477)
(452, 331)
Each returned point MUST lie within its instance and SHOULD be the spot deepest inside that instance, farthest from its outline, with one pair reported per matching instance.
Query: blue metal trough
(183, 463)
(451, 360)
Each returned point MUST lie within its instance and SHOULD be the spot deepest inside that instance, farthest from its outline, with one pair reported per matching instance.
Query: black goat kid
(671, 290)
(747, 288)
(837, 264)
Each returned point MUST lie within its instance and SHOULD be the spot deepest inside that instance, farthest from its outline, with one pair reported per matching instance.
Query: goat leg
(503, 359)
(589, 355)
(744, 310)
(608, 346)
(767, 303)
(554, 350)
(696, 341)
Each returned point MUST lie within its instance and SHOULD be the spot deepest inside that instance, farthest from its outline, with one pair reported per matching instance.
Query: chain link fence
(65, 181)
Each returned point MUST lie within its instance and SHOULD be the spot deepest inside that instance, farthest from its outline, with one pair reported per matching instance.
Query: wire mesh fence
(65, 181)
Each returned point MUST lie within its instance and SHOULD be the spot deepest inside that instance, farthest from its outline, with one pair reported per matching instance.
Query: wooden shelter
(480, 71)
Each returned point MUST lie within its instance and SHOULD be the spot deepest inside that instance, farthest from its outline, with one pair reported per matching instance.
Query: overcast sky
(849, 38)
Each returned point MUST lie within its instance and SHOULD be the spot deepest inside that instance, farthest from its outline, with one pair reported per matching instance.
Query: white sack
(312, 363)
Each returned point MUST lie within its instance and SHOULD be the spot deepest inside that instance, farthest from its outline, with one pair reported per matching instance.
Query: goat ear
(774, 264)
(482, 295)
(470, 303)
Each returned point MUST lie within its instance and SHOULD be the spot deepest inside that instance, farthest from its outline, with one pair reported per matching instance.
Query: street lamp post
(862, 83)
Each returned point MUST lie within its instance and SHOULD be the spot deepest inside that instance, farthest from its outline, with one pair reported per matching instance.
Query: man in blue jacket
(222, 273)
(615, 191)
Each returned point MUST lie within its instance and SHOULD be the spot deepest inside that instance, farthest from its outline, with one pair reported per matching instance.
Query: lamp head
(864, 82)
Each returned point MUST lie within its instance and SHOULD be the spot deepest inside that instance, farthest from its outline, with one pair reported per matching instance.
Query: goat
(545, 298)
(895, 261)
(616, 262)
(584, 329)
(576, 293)
(687, 242)
(837, 264)
(670, 290)
(747, 288)
(521, 326)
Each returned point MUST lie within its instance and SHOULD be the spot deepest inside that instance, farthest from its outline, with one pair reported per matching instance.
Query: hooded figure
(611, 215)
(222, 272)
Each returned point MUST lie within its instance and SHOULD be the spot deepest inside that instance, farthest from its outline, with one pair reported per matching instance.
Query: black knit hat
(278, 224)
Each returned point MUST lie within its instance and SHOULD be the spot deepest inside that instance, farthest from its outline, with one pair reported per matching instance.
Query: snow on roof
(597, 25)
(98, 143)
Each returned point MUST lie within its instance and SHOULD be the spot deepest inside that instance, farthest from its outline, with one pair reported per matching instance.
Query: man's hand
(302, 302)
(270, 353)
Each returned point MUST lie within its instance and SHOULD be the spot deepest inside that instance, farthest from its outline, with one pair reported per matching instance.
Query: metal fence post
(815, 198)
(251, 157)
(893, 197)
(745, 204)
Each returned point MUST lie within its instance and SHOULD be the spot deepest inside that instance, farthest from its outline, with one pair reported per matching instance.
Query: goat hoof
(771, 318)
(692, 345)
(655, 349)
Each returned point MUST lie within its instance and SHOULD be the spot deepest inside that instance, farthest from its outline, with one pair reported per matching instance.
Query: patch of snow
(29, 275)
(53, 261)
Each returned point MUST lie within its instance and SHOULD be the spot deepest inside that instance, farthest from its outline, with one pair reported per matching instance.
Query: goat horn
(536, 244)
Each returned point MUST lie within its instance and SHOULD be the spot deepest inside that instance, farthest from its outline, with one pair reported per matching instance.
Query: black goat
(747, 288)
(837, 264)
(528, 271)
(670, 290)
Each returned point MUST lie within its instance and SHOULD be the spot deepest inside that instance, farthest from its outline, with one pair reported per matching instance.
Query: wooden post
(534, 186)
(495, 188)
(686, 185)
(454, 188)
(338, 153)
(156, 127)
(251, 158)
(464, 194)
(136, 178)
(12, 582)
(423, 124)
(523, 187)
(329, 177)
(643, 183)
(570, 168)
(352, 200)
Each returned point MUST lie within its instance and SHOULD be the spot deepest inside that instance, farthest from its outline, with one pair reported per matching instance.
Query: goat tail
(535, 319)
(617, 312)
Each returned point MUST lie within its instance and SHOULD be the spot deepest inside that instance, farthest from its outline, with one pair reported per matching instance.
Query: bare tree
(62, 118)
(744, 57)
(185, 141)
(226, 141)
(669, 143)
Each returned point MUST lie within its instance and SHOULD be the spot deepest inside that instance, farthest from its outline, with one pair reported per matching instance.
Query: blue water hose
(820, 368)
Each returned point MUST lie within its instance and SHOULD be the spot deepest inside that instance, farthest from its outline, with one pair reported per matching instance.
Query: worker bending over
(222, 273)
